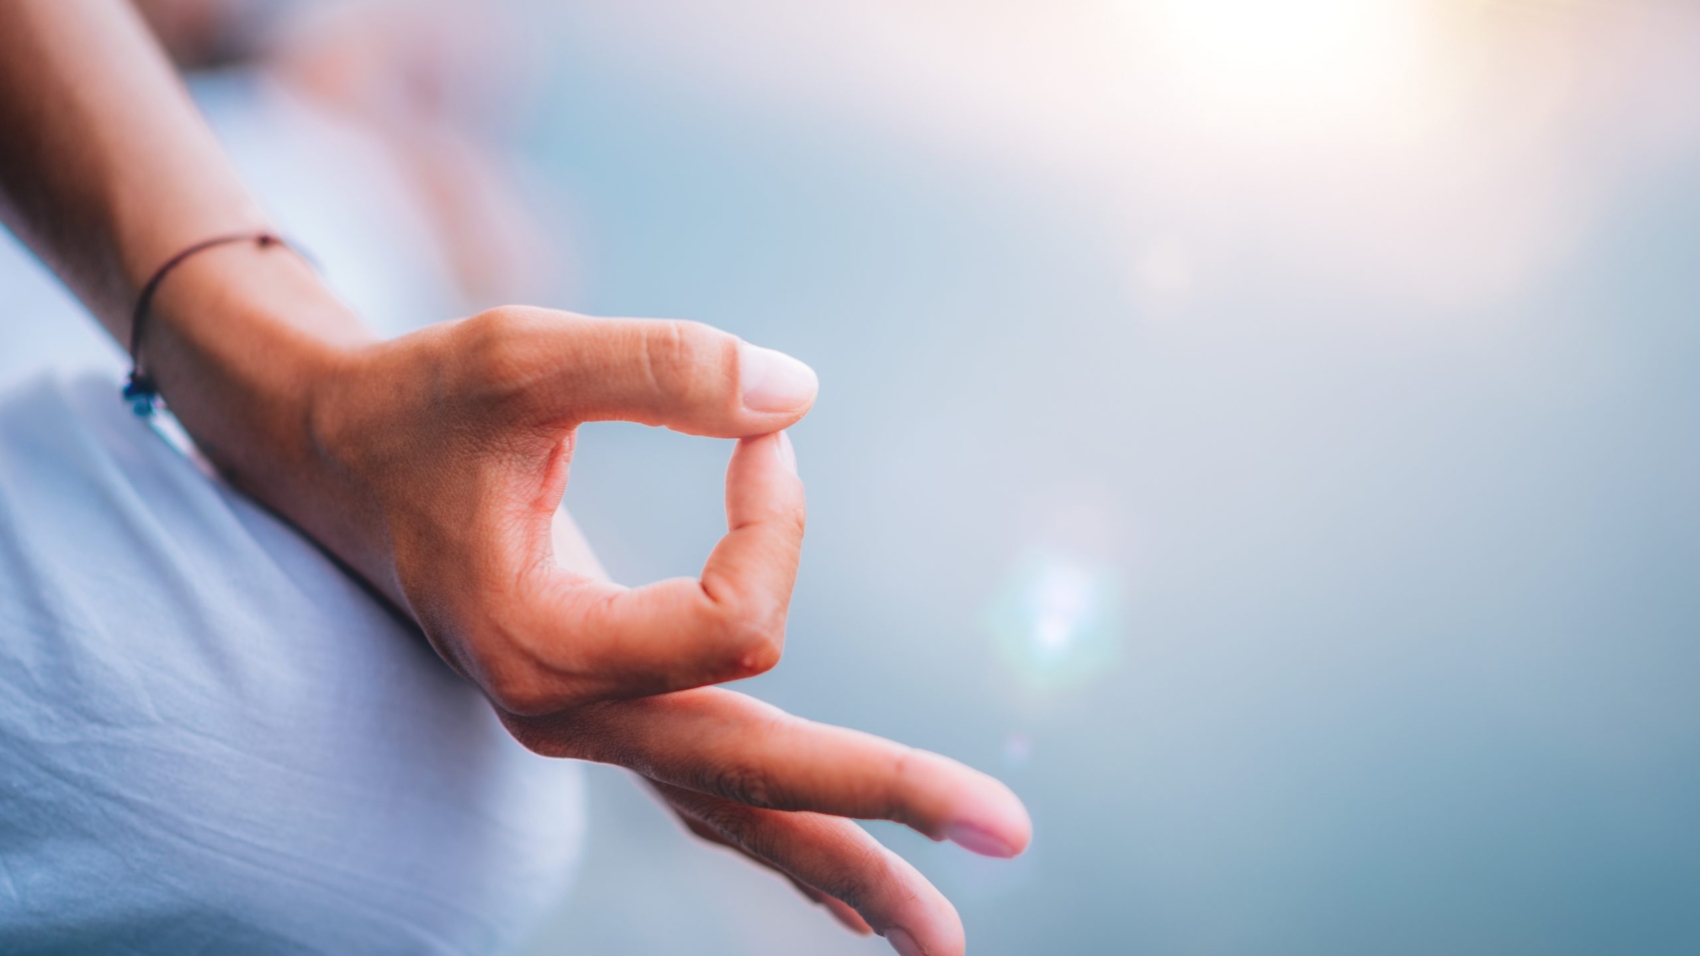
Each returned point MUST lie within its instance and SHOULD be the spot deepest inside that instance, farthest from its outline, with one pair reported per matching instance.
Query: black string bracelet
(141, 391)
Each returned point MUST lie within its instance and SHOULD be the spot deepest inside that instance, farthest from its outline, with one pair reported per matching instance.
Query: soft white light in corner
(1289, 58)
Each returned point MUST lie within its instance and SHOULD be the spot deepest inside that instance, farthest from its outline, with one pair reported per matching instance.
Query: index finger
(592, 640)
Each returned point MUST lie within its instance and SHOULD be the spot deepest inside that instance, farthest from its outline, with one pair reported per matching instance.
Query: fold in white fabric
(214, 740)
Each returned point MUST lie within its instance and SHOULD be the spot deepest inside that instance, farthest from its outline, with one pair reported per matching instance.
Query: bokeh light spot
(1057, 624)
(1017, 750)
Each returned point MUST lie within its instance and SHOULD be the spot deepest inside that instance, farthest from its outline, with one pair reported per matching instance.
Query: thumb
(684, 375)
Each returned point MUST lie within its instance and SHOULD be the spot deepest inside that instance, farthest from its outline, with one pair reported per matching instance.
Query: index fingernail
(787, 454)
(978, 839)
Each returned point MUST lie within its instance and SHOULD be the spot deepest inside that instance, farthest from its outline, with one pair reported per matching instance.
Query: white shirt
(214, 740)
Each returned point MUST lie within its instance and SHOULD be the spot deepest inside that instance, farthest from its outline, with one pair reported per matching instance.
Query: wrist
(244, 342)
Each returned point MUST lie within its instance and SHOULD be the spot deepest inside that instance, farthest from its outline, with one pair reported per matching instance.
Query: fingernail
(903, 942)
(978, 839)
(773, 381)
(787, 454)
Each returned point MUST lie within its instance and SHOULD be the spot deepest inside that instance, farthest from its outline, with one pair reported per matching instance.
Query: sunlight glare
(1295, 57)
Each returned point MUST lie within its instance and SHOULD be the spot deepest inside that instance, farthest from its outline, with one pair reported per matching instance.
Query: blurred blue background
(1267, 435)
(1396, 551)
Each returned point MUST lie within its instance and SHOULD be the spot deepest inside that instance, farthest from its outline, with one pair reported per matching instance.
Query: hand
(449, 450)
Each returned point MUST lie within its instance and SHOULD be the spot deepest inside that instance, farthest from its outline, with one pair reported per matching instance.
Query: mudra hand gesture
(433, 466)
(450, 450)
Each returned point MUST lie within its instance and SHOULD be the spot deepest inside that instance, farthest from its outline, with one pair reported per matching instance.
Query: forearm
(106, 171)
(242, 341)
(107, 168)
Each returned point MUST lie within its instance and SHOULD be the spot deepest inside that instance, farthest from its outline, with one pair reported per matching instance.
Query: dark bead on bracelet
(140, 392)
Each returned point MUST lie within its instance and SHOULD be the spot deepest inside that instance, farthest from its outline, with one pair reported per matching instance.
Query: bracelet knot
(140, 391)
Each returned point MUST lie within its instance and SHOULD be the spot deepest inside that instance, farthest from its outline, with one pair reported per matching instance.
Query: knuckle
(730, 821)
(538, 736)
(745, 783)
(491, 333)
(680, 358)
(517, 686)
(853, 875)
(498, 349)
(519, 694)
(531, 740)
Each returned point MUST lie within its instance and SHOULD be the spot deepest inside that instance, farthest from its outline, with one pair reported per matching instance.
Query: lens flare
(1057, 625)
